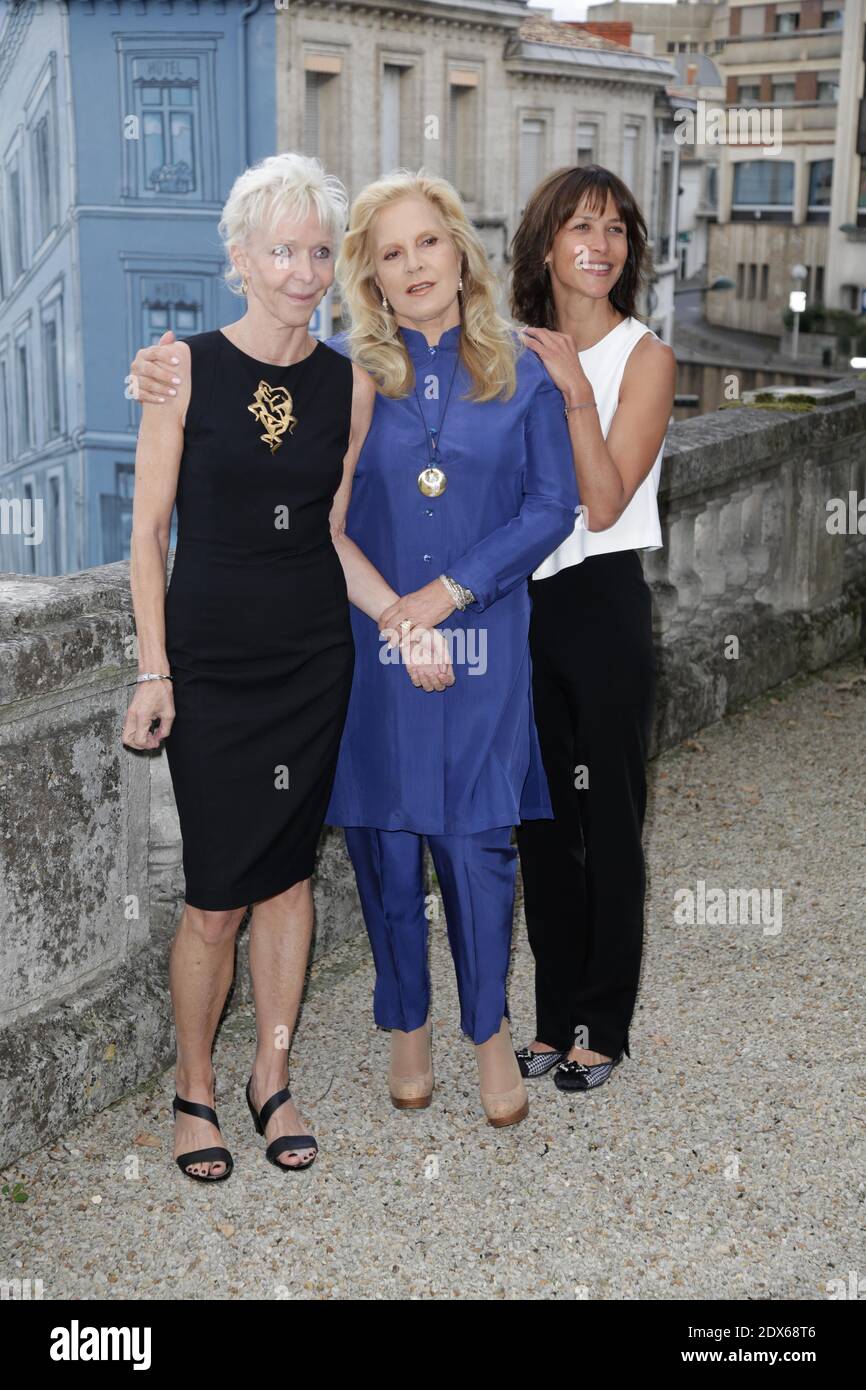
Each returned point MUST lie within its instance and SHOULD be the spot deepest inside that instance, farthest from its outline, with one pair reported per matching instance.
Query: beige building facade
(800, 200)
(494, 95)
(676, 28)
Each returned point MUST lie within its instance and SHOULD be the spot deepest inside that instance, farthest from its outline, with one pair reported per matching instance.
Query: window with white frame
(22, 376)
(15, 215)
(751, 19)
(5, 416)
(55, 523)
(52, 359)
(828, 86)
(116, 514)
(784, 89)
(389, 134)
(168, 106)
(168, 139)
(587, 143)
(630, 153)
(170, 301)
(463, 122)
(28, 509)
(763, 187)
(324, 133)
(398, 145)
(530, 157)
(6, 419)
(44, 163)
(818, 285)
(820, 190)
(664, 207)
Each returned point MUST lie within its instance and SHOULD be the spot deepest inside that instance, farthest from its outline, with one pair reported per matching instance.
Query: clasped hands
(410, 622)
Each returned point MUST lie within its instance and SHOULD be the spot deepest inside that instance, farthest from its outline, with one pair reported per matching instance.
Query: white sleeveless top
(638, 528)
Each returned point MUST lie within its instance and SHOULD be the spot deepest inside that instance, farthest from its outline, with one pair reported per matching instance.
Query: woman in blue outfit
(464, 484)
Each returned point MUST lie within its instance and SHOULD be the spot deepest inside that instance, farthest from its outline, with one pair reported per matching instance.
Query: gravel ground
(723, 1160)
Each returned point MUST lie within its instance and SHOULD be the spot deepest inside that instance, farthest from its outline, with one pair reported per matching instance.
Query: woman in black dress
(246, 664)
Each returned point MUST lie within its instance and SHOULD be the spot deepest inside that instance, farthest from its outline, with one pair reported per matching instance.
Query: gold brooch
(272, 407)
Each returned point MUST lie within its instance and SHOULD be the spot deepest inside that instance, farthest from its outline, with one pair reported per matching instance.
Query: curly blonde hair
(282, 185)
(489, 347)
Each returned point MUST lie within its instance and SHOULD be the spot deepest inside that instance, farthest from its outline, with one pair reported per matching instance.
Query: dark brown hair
(549, 208)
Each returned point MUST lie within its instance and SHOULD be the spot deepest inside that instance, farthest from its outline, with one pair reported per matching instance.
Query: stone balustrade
(750, 588)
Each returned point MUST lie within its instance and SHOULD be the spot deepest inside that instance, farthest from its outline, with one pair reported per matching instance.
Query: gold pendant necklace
(432, 481)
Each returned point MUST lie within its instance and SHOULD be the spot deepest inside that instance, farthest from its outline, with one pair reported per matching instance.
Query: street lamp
(797, 305)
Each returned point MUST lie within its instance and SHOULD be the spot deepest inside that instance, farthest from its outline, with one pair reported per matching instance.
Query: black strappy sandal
(212, 1155)
(285, 1141)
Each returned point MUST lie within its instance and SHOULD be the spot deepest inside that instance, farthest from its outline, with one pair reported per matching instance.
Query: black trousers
(594, 676)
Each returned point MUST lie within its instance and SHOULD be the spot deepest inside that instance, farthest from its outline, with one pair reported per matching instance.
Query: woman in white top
(578, 262)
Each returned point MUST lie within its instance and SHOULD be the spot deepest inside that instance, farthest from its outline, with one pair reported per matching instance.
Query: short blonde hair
(488, 346)
(282, 185)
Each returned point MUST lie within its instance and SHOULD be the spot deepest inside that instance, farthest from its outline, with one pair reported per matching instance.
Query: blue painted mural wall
(122, 128)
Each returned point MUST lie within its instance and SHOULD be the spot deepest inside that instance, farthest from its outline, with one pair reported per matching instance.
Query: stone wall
(748, 554)
(707, 377)
(91, 883)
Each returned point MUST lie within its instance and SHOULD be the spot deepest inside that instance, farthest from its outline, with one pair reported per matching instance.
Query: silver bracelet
(460, 595)
(152, 676)
(581, 405)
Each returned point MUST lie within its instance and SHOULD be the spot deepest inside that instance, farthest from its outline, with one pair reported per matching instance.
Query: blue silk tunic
(466, 758)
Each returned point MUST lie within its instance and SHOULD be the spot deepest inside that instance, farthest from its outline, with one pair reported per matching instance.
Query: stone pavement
(724, 1160)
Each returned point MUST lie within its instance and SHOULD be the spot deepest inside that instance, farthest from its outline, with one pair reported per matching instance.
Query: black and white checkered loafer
(576, 1076)
(536, 1063)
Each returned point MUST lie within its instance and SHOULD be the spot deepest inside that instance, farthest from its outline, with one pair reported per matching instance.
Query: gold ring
(406, 623)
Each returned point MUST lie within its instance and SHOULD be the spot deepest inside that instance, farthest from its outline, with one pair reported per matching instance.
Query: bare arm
(363, 405)
(610, 471)
(157, 464)
(365, 586)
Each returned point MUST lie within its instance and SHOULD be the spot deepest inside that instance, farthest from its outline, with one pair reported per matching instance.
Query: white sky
(572, 9)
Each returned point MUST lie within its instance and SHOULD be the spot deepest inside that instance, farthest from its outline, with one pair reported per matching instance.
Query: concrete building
(686, 26)
(698, 81)
(492, 95)
(845, 267)
(799, 67)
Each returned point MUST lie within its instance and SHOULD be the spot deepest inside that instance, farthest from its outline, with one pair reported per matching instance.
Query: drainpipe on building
(77, 409)
(246, 13)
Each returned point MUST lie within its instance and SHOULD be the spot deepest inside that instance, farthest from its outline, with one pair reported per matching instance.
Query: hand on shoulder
(161, 371)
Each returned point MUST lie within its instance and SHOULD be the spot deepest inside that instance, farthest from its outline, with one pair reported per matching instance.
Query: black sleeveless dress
(257, 619)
